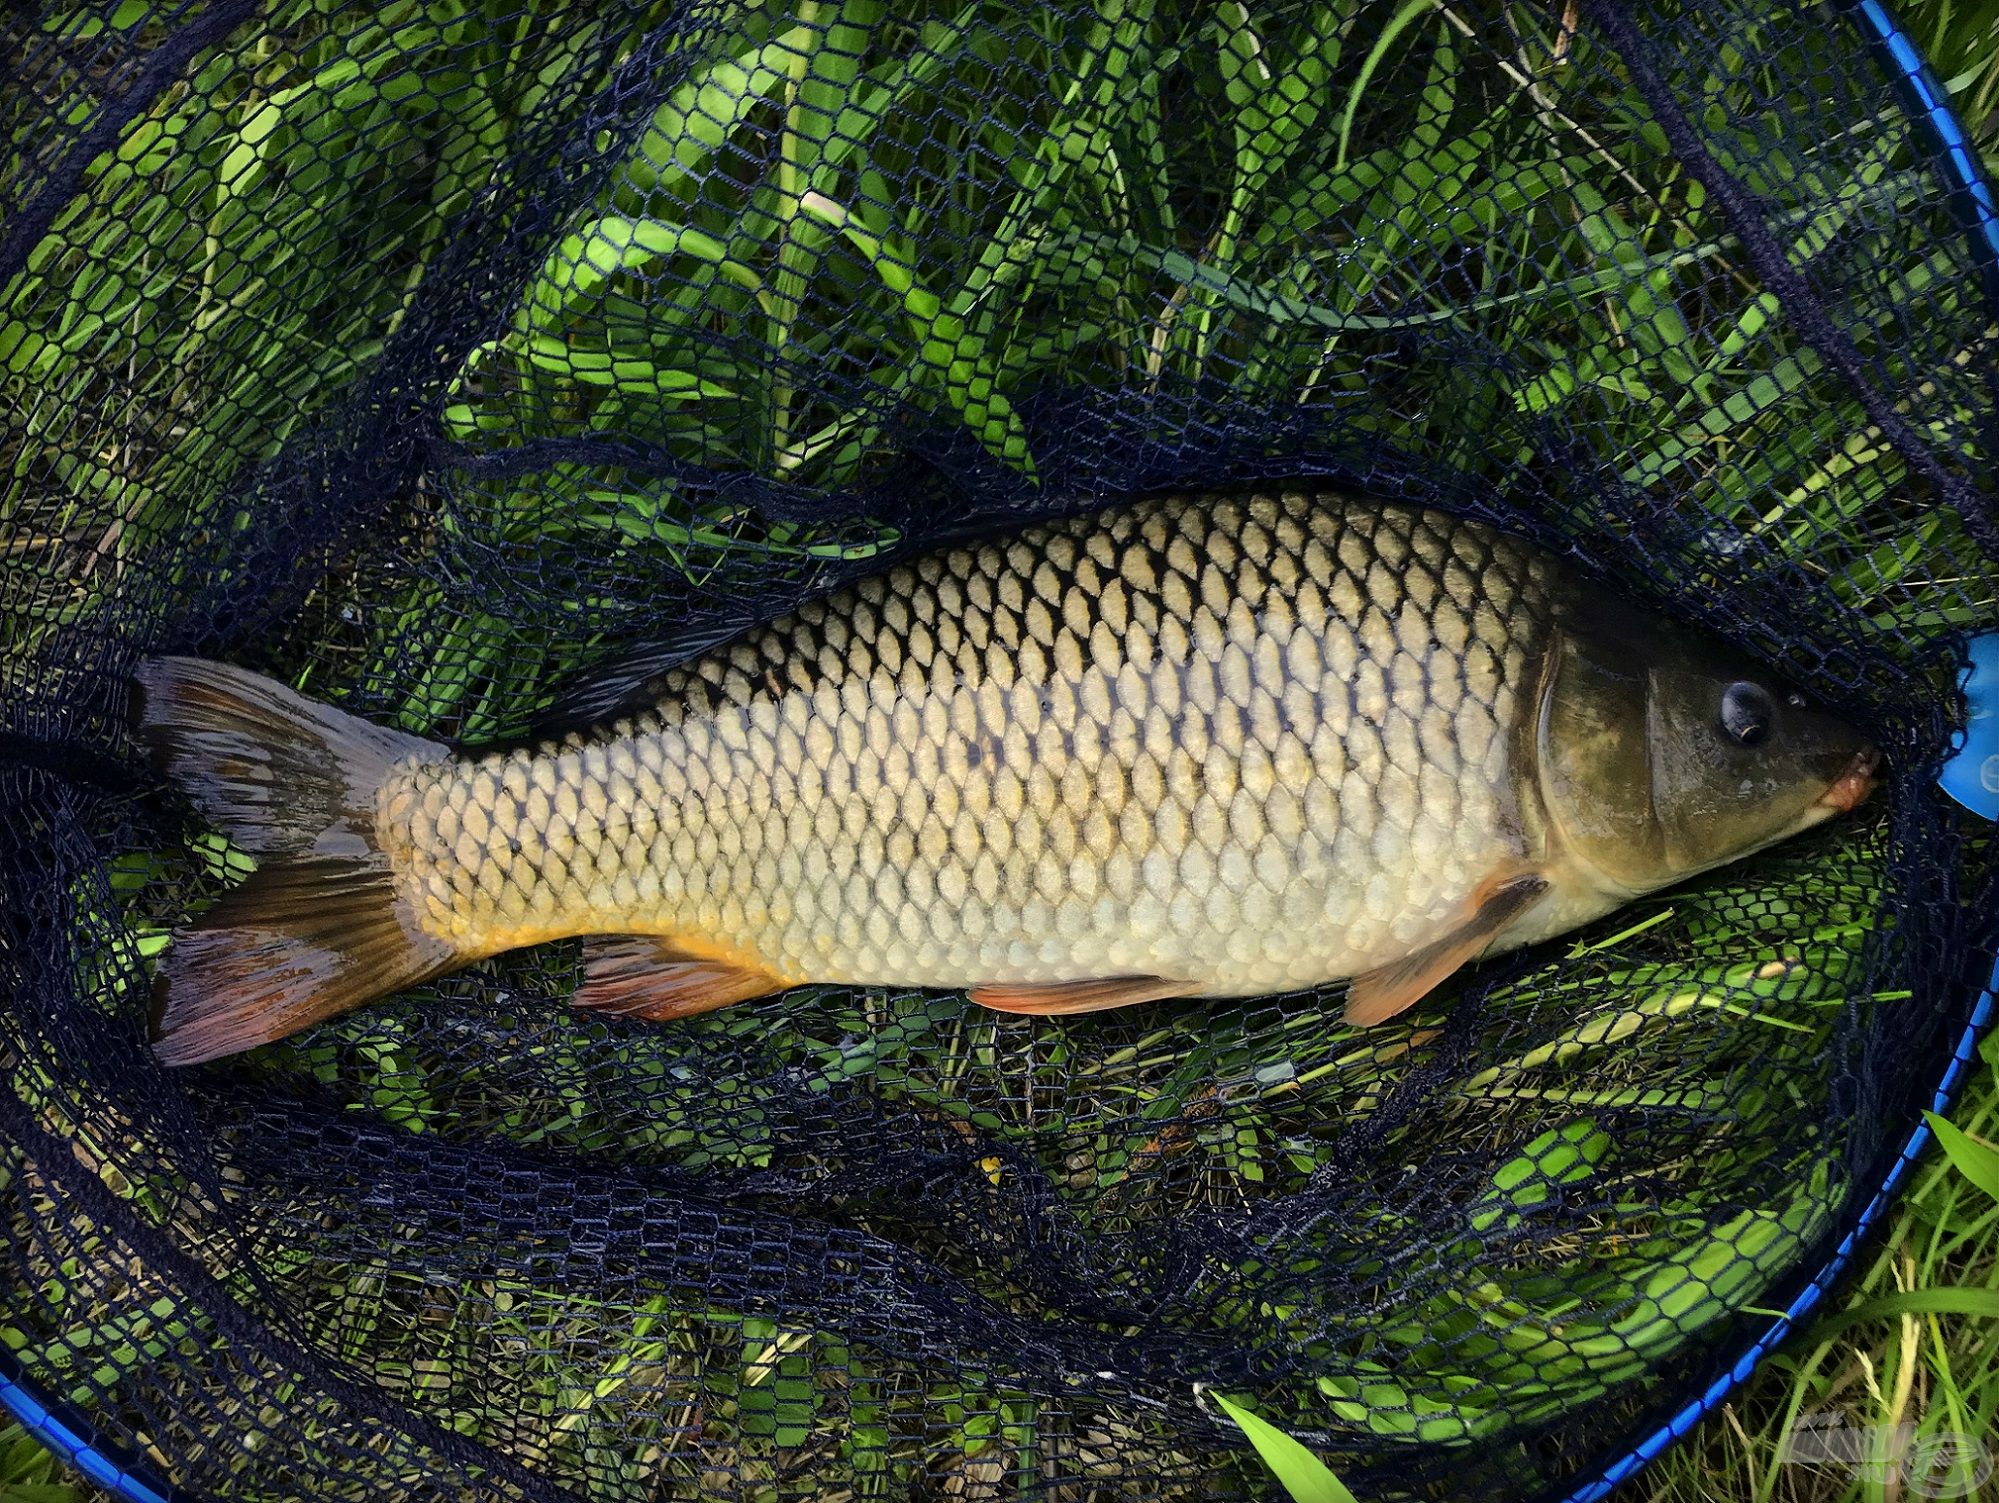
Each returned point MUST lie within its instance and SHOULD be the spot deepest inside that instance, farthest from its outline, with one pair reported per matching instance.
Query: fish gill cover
(428, 355)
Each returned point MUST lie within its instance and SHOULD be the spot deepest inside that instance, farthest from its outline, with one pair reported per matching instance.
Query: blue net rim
(64, 1433)
(1815, 1291)
(1978, 208)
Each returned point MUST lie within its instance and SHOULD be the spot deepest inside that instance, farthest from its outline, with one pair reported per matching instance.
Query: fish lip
(1853, 785)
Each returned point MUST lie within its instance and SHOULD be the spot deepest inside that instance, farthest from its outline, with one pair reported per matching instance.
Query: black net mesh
(423, 354)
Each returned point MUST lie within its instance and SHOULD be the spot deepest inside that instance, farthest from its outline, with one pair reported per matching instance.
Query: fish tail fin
(301, 941)
(318, 928)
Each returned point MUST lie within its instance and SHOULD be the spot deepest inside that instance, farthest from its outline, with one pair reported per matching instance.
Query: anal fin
(1378, 995)
(1051, 999)
(640, 976)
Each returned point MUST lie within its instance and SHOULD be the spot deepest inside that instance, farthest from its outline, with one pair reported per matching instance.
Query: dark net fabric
(428, 355)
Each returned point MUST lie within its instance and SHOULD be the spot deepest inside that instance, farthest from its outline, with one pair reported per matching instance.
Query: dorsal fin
(628, 679)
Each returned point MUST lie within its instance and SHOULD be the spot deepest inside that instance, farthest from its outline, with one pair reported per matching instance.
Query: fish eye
(1746, 713)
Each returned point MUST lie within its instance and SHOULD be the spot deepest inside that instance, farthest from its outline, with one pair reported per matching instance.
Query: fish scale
(1247, 742)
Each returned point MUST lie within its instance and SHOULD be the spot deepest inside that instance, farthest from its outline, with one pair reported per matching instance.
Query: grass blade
(1306, 1478)
(1976, 1161)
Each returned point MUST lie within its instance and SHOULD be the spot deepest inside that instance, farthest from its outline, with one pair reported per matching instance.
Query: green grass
(1897, 1377)
(29, 1474)
(250, 309)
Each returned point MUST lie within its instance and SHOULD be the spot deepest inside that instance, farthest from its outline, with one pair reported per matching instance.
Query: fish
(1198, 745)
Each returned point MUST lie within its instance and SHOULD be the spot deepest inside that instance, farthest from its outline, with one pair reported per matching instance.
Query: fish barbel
(1218, 745)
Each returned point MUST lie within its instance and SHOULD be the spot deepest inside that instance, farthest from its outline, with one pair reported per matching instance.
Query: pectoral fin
(1379, 994)
(1057, 998)
(638, 976)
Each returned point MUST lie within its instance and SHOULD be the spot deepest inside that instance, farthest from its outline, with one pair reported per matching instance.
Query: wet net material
(428, 355)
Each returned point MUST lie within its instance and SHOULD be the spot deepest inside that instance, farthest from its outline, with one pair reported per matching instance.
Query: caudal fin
(318, 928)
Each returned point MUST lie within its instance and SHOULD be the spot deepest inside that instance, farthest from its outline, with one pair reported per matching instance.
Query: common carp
(1213, 745)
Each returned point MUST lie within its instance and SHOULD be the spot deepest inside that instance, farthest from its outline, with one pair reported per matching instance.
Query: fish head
(1661, 754)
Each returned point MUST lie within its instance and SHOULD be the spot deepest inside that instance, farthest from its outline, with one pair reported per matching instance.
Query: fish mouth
(1853, 785)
